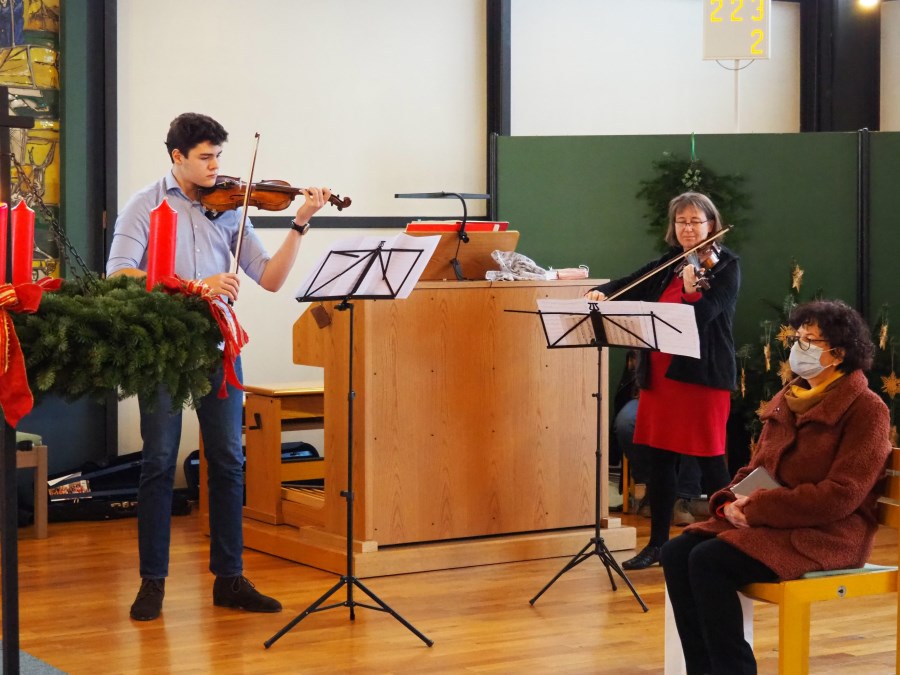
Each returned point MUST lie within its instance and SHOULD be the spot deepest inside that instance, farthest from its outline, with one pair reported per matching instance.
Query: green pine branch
(119, 338)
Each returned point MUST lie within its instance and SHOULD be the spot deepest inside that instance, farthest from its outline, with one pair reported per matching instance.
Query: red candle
(161, 247)
(22, 243)
(4, 231)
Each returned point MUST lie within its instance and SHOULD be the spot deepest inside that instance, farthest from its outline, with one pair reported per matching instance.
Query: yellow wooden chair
(627, 485)
(794, 597)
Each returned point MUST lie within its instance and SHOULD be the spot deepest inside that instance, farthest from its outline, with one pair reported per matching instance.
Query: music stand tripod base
(596, 545)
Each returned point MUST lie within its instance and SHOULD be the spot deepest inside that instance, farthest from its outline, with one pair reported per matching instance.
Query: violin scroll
(340, 203)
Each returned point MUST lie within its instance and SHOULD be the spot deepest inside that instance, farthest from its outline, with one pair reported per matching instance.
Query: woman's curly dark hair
(843, 327)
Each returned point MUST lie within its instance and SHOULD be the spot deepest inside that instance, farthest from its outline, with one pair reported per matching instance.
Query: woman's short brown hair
(700, 202)
(844, 329)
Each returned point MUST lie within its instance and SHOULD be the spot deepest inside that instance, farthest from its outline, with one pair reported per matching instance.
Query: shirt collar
(172, 185)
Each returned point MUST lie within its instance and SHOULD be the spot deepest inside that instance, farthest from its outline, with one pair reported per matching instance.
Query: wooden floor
(77, 585)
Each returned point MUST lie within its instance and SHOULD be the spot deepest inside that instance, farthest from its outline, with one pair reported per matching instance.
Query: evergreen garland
(675, 175)
(119, 338)
(763, 369)
(883, 377)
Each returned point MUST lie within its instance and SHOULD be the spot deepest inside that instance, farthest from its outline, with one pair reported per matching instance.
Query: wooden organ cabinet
(473, 442)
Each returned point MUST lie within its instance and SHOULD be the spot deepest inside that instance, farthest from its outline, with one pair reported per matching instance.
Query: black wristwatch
(302, 229)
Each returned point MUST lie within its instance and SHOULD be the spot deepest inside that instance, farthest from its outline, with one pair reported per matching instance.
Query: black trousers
(662, 490)
(703, 575)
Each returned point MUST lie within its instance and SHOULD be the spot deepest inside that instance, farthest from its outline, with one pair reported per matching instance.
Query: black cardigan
(714, 312)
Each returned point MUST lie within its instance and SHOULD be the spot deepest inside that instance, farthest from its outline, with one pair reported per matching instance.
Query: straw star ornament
(796, 277)
(891, 385)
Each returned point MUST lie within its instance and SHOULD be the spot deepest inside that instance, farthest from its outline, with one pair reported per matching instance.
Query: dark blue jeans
(220, 426)
(703, 575)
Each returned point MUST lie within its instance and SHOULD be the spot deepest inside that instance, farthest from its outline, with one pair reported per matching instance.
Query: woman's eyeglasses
(805, 343)
(695, 223)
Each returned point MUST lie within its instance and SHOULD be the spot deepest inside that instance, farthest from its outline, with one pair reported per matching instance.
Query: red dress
(678, 416)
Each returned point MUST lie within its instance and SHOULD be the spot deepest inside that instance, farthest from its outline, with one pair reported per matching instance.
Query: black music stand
(345, 274)
(600, 326)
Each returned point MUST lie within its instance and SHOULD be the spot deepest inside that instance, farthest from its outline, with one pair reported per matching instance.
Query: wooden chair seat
(795, 596)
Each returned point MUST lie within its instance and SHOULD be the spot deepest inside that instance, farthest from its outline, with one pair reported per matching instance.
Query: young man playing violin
(205, 245)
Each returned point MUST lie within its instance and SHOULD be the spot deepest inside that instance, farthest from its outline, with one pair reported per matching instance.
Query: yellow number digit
(735, 13)
(757, 36)
(760, 10)
(717, 4)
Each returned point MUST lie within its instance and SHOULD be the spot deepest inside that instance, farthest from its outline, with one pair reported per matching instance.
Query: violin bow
(240, 239)
(680, 256)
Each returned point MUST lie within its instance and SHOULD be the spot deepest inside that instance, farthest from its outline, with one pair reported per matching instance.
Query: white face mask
(805, 362)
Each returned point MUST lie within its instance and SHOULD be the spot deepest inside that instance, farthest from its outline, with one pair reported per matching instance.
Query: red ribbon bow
(16, 398)
(235, 337)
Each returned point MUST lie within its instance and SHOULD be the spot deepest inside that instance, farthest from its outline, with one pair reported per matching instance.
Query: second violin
(703, 260)
(269, 195)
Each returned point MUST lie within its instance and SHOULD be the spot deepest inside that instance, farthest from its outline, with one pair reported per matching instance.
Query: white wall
(373, 97)
(368, 97)
(609, 67)
(890, 66)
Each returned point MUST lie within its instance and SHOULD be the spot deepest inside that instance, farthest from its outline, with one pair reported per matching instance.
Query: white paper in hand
(758, 479)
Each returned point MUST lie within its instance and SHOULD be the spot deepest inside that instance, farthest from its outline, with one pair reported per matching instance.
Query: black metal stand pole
(348, 579)
(596, 545)
(9, 556)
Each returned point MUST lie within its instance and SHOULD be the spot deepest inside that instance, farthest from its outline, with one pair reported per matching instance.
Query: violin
(269, 195)
(703, 260)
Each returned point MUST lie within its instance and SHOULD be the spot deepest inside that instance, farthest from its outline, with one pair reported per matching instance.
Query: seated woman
(825, 440)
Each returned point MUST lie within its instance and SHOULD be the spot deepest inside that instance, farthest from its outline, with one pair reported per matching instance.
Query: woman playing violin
(204, 251)
(684, 402)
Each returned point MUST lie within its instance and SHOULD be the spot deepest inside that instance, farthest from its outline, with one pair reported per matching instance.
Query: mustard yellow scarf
(800, 399)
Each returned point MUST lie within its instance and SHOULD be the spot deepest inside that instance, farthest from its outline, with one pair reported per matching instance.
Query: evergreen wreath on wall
(674, 174)
(118, 337)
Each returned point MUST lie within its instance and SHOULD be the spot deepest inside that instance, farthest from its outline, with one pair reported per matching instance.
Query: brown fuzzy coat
(830, 460)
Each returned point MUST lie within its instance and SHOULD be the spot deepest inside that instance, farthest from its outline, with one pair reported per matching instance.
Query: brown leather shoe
(681, 513)
(239, 593)
(148, 603)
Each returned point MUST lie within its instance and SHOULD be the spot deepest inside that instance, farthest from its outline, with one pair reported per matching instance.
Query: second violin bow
(240, 239)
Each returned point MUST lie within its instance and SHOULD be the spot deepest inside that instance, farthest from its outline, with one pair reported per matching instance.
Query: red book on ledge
(438, 226)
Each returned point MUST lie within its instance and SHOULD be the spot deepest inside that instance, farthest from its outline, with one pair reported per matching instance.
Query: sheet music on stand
(672, 326)
(401, 259)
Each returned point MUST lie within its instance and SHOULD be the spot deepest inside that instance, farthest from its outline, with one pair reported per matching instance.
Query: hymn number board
(736, 29)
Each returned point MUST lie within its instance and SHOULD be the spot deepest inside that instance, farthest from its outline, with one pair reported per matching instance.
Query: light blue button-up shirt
(203, 247)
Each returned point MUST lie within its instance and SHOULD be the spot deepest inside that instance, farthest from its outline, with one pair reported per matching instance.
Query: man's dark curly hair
(190, 129)
(843, 327)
